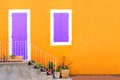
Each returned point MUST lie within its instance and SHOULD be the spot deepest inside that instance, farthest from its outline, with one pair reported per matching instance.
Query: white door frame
(28, 29)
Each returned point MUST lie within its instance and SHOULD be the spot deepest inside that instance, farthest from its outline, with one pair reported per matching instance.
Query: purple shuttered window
(61, 27)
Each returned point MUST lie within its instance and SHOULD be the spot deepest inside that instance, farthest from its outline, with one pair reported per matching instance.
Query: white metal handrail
(20, 47)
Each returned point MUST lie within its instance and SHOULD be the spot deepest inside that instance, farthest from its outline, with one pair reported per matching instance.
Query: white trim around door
(10, 29)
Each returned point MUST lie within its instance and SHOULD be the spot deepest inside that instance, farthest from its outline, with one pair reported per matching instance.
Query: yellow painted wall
(96, 32)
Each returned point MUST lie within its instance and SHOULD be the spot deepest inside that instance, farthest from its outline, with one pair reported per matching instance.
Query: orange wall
(96, 32)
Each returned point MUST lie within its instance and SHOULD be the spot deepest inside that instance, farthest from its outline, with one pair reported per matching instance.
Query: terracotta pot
(11, 59)
(65, 73)
(17, 58)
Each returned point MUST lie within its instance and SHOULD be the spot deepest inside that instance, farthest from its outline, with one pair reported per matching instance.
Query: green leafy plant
(64, 69)
(31, 62)
(57, 70)
(43, 68)
(51, 65)
(3, 57)
(12, 56)
(57, 73)
(37, 65)
(50, 68)
(62, 66)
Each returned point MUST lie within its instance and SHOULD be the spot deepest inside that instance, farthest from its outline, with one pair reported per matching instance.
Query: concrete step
(21, 71)
(18, 71)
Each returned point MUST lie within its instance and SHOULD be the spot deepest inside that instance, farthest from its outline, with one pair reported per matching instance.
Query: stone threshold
(16, 62)
(63, 79)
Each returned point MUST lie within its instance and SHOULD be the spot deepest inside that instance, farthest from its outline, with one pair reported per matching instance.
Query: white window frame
(52, 11)
(28, 29)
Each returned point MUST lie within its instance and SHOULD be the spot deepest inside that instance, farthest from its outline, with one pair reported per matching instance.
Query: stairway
(21, 71)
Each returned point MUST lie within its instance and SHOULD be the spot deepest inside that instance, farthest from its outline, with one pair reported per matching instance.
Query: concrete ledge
(24, 62)
(63, 79)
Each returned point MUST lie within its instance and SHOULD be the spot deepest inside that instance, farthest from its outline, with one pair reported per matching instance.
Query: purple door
(61, 27)
(19, 34)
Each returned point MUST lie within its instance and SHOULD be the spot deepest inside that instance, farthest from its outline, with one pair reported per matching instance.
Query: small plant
(30, 62)
(3, 57)
(43, 68)
(64, 69)
(51, 68)
(51, 65)
(12, 56)
(37, 66)
(57, 70)
(62, 66)
(57, 73)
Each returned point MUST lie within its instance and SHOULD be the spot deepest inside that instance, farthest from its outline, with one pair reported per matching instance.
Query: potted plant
(12, 57)
(65, 72)
(37, 65)
(64, 69)
(31, 62)
(57, 73)
(18, 58)
(43, 68)
(3, 58)
(51, 67)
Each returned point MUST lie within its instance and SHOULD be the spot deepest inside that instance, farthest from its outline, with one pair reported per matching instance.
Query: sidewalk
(96, 78)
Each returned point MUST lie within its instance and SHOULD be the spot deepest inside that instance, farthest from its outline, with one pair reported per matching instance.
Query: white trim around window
(52, 11)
